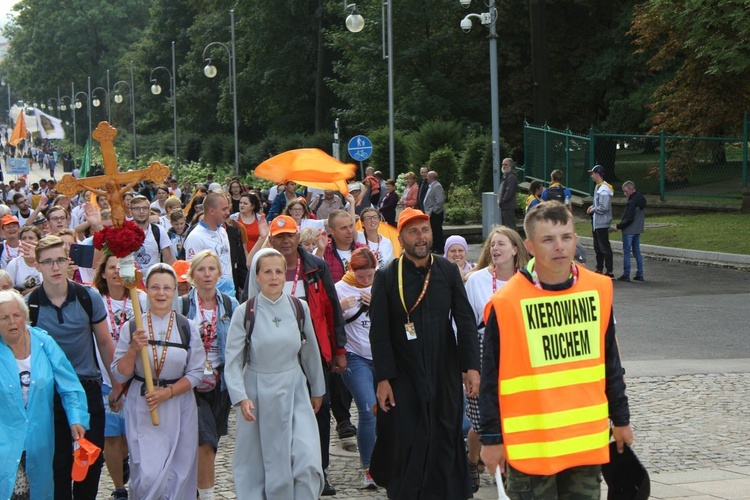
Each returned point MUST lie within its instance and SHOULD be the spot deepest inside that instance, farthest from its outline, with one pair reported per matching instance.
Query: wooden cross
(112, 180)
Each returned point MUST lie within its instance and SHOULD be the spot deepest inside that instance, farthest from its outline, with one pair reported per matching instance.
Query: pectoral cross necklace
(277, 321)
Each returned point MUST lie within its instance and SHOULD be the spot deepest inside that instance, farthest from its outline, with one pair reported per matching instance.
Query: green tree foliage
(380, 159)
(444, 162)
(432, 136)
(698, 46)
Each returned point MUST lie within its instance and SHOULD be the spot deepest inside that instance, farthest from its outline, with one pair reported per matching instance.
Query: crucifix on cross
(112, 181)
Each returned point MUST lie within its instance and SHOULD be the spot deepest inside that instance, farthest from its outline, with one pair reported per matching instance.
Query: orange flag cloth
(19, 131)
(310, 167)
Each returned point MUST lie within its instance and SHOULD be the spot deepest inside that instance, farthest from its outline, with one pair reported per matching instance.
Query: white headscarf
(253, 288)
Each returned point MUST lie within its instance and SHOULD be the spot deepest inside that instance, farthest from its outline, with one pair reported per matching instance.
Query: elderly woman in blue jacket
(211, 311)
(32, 366)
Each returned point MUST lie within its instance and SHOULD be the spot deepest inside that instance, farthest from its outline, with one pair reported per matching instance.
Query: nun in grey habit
(277, 455)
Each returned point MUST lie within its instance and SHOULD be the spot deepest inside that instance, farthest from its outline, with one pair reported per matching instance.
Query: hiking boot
(345, 429)
(624, 277)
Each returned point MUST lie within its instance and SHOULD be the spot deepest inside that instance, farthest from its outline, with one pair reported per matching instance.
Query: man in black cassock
(419, 364)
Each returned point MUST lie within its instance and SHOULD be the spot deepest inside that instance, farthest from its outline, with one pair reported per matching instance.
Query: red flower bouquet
(121, 241)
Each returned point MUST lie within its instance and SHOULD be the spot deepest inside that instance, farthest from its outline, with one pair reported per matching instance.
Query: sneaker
(624, 277)
(638, 278)
(328, 490)
(119, 494)
(367, 482)
(345, 429)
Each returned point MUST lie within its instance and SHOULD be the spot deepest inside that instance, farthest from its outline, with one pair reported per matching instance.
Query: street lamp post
(210, 72)
(79, 105)
(118, 99)
(156, 90)
(71, 100)
(355, 23)
(490, 19)
(7, 84)
(56, 106)
(96, 102)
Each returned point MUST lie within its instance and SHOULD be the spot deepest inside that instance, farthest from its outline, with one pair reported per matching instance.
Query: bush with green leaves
(431, 136)
(380, 159)
(463, 206)
(475, 158)
(444, 162)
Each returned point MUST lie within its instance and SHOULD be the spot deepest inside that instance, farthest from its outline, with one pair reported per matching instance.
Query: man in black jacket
(631, 226)
(506, 194)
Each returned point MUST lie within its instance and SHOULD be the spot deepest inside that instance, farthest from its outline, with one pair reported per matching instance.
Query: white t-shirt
(23, 276)
(382, 249)
(358, 331)
(116, 317)
(213, 356)
(24, 376)
(346, 257)
(149, 254)
(9, 253)
(77, 216)
(176, 192)
(318, 225)
(479, 290)
(161, 209)
(204, 238)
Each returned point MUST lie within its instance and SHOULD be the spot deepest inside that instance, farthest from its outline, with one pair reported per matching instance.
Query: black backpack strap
(249, 320)
(34, 306)
(157, 237)
(183, 326)
(185, 304)
(363, 308)
(227, 301)
(85, 300)
(299, 312)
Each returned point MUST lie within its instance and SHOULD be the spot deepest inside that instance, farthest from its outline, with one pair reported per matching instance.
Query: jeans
(632, 241)
(359, 377)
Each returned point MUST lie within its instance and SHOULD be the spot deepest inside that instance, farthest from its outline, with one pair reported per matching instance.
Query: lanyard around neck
(401, 287)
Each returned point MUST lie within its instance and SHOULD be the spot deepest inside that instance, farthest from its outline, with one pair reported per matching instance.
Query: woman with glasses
(379, 244)
(163, 458)
(297, 210)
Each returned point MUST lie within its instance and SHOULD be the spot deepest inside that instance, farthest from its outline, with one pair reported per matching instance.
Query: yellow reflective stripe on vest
(558, 448)
(552, 380)
(555, 420)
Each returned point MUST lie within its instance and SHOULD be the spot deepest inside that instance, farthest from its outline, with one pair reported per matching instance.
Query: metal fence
(713, 168)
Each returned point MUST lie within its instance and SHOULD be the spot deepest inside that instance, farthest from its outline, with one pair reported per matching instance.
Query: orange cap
(181, 268)
(84, 456)
(8, 219)
(283, 224)
(409, 214)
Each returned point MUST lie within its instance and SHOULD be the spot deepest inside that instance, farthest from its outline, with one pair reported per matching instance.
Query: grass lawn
(717, 232)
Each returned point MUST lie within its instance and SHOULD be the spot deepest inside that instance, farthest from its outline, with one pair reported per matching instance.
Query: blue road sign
(360, 147)
(17, 166)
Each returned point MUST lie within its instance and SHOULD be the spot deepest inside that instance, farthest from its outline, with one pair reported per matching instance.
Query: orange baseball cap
(84, 456)
(409, 214)
(8, 219)
(181, 268)
(283, 224)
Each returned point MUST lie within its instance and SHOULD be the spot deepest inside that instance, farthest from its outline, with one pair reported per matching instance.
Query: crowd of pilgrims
(70, 348)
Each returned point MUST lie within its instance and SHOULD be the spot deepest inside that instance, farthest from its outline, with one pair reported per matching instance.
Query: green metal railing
(664, 165)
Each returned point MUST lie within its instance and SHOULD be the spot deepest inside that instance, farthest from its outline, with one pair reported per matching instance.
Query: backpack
(81, 294)
(157, 236)
(556, 193)
(250, 306)
(224, 298)
(183, 326)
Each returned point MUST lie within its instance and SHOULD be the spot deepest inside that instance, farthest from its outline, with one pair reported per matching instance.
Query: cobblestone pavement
(681, 423)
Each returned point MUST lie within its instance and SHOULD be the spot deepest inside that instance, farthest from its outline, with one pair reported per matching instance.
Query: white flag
(48, 126)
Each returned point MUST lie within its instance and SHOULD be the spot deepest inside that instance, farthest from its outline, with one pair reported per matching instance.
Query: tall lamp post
(156, 90)
(210, 72)
(489, 19)
(355, 23)
(96, 102)
(55, 107)
(118, 99)
(79, 105)
(63, 107)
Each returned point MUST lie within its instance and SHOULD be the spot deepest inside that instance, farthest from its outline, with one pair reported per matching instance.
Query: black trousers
(62, 462)
(436, 223)
(603, 250)
(323, 418)
(341, 399)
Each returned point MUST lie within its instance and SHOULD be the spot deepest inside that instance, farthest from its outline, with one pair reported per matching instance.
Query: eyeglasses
(140, 209)
(57, 219)
(160, 289)
(367, 218)
(49, 263)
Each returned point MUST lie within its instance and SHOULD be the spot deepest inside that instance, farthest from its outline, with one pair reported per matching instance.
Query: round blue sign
(360, 148)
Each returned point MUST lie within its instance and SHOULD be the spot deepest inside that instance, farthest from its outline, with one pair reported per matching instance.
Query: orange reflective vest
(551, 378)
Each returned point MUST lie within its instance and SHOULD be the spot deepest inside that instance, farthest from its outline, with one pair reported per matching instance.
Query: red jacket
(334, 262)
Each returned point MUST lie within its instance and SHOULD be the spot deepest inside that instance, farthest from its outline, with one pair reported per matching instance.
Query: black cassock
(419, 452)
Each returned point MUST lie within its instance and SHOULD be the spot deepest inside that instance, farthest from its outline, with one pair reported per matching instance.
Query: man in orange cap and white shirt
(419, 368)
